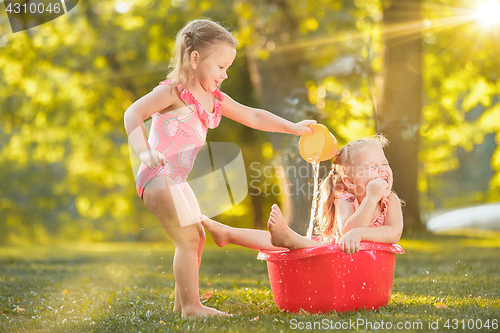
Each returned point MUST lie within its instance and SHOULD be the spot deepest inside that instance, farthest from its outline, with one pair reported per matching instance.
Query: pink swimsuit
(179, 138)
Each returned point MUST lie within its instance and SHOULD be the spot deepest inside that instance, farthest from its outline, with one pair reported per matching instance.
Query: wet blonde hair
(198, 35)
(332, 186)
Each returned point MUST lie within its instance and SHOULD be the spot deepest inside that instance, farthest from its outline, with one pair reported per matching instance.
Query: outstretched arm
(261, 119)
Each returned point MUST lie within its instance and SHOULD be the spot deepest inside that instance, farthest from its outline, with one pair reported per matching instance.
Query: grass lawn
(128, 287)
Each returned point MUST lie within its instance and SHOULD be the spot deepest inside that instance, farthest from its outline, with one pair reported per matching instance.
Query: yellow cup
(320, 145)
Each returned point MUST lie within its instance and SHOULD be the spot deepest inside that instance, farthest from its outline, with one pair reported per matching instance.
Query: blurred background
(423, 72)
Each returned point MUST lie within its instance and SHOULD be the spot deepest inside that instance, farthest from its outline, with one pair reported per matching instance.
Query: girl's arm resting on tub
(390, 232)
(350, 219)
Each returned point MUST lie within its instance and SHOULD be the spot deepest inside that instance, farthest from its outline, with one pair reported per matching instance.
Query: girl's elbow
(396, 236)
(127, 114)
(257, 121)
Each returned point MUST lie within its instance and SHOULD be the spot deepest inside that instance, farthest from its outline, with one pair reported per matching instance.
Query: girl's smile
(371, 164)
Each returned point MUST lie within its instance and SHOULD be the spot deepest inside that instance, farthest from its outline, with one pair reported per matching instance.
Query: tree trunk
(276, 79)
(279, 78)
(400, 108)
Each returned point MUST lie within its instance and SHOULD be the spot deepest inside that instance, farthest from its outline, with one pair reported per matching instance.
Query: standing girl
(356, 203)
(183, 108)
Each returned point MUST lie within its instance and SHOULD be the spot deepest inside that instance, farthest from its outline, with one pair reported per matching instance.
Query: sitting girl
(356, 204)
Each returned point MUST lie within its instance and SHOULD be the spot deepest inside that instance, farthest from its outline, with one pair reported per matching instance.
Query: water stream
(314, 207)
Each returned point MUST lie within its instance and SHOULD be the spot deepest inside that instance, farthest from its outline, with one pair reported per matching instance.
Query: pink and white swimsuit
(179, 138)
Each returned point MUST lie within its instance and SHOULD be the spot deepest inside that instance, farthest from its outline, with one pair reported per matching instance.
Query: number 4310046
(34, 8)
(471, 324)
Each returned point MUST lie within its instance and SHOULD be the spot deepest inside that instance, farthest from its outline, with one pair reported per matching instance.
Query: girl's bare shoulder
(393, 198)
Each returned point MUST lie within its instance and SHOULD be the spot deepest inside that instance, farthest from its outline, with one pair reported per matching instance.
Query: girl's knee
(187, 240)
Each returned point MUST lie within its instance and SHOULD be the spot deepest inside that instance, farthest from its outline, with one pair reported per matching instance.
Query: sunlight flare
(489, 12)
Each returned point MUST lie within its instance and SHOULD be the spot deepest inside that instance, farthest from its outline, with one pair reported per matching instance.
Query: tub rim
(326, 249)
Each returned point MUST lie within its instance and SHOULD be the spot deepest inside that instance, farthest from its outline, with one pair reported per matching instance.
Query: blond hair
(198, 35)
(332, 186)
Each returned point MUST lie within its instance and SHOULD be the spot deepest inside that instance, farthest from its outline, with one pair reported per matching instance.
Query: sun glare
(489, 12)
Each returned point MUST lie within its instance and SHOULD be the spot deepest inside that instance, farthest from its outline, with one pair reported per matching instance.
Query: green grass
(128, 287)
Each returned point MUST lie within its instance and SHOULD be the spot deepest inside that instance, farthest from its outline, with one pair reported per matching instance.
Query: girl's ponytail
(331, 186)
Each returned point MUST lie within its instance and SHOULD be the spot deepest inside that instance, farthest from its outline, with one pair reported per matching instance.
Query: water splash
(315, 165)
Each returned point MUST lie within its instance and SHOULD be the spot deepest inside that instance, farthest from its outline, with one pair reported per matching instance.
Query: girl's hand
(303, 127)
(152, 158)
(349, 243)
(376, 188)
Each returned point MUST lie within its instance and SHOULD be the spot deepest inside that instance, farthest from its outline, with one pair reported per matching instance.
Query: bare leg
(282, 235)
(201, 245)
(195, 209)
(249, 238)
(168, 204)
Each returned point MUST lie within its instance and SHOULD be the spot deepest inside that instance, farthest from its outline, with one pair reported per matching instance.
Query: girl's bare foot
(281, 234)
(202, 311)
(220, 232)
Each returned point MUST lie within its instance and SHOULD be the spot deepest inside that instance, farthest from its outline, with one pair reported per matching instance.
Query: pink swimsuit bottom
(179, 138)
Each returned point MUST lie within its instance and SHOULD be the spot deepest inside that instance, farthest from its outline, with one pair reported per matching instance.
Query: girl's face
(370, 163)
(210, 68)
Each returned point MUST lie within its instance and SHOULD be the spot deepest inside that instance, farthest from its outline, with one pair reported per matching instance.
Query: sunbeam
(489, 12)
(474, 24)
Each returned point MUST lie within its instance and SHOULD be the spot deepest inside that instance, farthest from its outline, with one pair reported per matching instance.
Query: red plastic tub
(322, 279)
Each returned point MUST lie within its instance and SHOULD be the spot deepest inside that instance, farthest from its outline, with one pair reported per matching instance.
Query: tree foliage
(65, 85)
